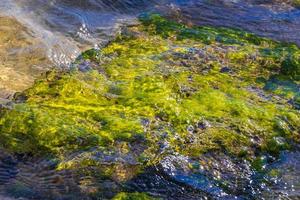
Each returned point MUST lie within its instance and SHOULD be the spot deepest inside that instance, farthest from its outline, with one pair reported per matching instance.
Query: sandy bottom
(22, 57)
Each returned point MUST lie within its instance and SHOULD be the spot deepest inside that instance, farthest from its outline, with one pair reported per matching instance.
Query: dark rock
(145, 122)
(20, 97)
(225, 70)
(203, 124)
(190, 129)
(84, 67)
(8, 169)
(294, 103)
(157, 182)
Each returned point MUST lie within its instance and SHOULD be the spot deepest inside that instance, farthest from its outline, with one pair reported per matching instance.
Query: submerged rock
(225, 70)
(137, 102)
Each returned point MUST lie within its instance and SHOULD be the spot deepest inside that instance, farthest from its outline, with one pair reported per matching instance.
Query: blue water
(83, 24)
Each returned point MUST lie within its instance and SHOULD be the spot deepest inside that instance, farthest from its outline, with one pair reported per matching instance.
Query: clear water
(67, 27)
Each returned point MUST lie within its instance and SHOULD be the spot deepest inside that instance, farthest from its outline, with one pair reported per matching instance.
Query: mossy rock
(154, 86)
(291, 67)
(132, 196)
(296, 3)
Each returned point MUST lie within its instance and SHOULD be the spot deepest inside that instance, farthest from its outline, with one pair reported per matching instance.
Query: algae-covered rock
(132, 196)
(296, 3)
(159, 88)
(291, 67)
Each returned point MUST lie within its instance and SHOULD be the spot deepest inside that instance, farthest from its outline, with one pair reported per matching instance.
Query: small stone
(84, 67)
(185, 64)
(291, 101)
(280, 140)
(145, 122)
(165, 135)
(20, 97)
(190, 129)
(203, 124)
(225, 70)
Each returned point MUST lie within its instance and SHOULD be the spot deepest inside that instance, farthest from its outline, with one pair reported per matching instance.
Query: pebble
(225, 70)
(204, 124)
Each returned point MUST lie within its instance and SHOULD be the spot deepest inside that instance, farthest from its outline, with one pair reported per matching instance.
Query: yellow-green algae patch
(296, 3)
(167, 87)
(132, 196)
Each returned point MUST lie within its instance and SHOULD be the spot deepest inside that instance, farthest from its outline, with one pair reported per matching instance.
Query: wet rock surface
(158, 183)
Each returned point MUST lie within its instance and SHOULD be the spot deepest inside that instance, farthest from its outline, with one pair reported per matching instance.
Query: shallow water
(64, 28)
(170, 179)
(38, 35)
(67, 27)
(266, 18)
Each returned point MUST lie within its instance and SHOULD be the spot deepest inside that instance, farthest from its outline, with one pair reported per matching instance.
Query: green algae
(159, 81)
(157, 25)
(296, 3)
(66, 113)
(132, 196)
